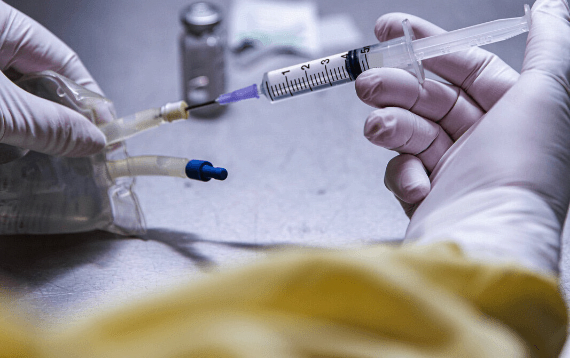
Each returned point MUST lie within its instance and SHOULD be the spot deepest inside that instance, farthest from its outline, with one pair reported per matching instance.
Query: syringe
(404, 52)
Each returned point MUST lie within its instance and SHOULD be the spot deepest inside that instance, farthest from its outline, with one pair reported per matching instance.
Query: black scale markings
(308, 82)
(365, 66)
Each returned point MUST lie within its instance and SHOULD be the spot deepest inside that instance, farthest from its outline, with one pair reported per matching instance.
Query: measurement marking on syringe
(308, 82)
(320, 78)
(304, 83)
(269, 92)
(366, 58)
(327, 72)
(336, 74)
(343, 72)
(289, 87)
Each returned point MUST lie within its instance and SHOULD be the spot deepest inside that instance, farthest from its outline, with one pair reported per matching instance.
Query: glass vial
(202, 46)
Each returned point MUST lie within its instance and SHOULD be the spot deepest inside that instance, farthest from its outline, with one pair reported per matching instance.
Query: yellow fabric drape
(381, 301)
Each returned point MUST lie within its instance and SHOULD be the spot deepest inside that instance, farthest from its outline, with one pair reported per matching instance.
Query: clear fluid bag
(43, 194)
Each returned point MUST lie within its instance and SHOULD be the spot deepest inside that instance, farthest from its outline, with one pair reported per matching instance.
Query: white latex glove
(28, 121)
(502, 189)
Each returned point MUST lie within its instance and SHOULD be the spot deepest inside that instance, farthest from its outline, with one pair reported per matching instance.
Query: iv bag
(44, 194)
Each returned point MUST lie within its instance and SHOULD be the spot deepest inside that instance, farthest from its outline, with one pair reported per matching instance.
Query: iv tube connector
(174, 111)
(126, 127)
(165, 166)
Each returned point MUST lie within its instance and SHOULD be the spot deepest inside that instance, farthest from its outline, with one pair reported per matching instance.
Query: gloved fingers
(407, 179)
(409, 209)
(445, 104)
(481, 74)
(548, 44)
(26, 47)
(405, 132)
(30, 122)
(103, 110)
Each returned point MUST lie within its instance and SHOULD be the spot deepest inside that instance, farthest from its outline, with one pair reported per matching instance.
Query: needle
(189, 108)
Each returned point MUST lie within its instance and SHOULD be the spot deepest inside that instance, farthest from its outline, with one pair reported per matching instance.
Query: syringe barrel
(392, 53)
(312, 76)
(395, 53)
(331, 71)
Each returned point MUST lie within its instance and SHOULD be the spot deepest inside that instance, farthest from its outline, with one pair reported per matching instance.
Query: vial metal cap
(200, 17)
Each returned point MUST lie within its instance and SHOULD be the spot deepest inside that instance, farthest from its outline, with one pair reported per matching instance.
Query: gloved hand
(28, 121)
(494, 144)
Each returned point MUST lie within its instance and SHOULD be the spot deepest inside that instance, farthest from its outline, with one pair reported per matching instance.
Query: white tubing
(128, 126)
(148, 165)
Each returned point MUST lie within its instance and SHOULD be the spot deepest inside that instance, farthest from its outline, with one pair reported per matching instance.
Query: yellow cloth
(382, 301)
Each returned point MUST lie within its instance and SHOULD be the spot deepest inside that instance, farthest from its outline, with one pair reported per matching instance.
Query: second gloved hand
(422, 122)
(31, 122)
(493, 143)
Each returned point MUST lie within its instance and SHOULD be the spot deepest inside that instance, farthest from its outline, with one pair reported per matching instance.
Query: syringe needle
(189, 108)
(230, 97)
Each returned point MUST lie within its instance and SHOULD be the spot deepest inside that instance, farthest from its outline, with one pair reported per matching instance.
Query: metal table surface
(300, 172)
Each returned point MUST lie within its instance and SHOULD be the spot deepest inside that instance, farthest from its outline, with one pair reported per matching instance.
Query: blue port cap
(204, 171)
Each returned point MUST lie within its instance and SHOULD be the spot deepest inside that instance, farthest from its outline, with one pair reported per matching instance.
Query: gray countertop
(300, 171)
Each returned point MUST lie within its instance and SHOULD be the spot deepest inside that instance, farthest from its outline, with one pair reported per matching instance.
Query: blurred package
(338, 33)
(261, 28)
(258, 28)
